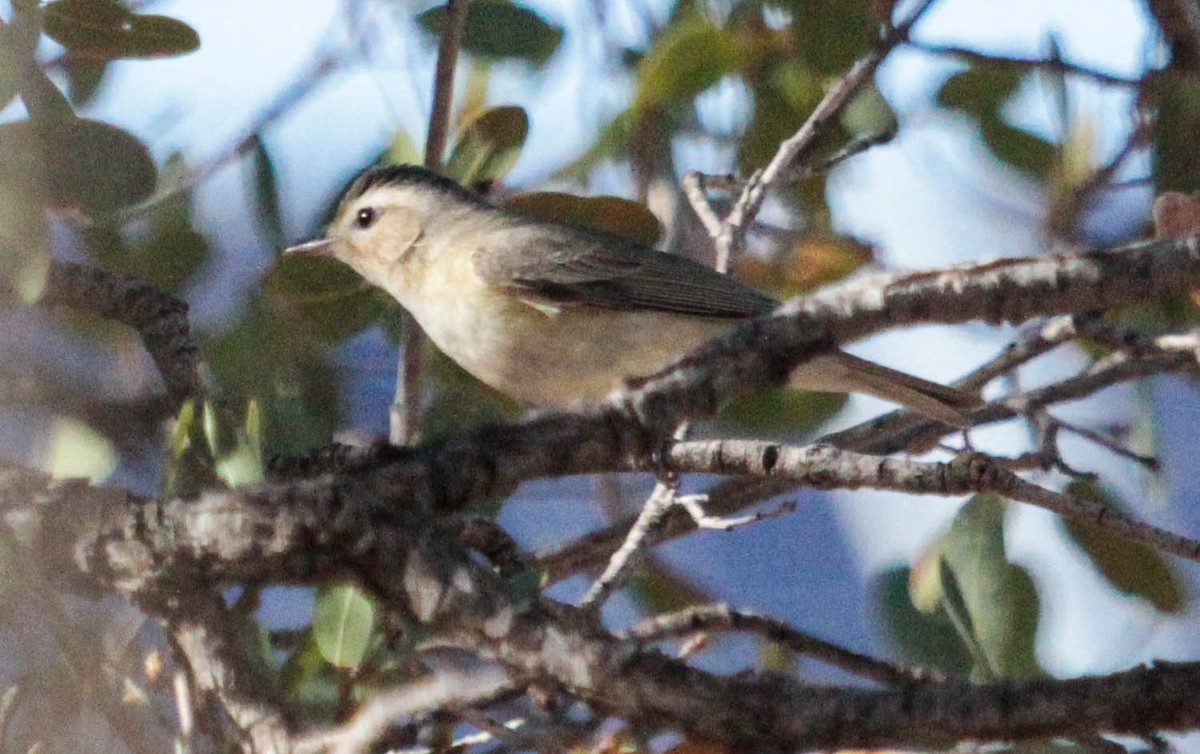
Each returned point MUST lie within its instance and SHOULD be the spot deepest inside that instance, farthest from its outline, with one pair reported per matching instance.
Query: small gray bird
(553, 314)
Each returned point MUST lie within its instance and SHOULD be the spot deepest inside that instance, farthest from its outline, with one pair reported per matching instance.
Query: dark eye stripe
(365, 218)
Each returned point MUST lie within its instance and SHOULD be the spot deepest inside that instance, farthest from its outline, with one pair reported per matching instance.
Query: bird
(557, 315)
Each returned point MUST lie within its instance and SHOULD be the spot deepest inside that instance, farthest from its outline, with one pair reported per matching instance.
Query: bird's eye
(365, 218)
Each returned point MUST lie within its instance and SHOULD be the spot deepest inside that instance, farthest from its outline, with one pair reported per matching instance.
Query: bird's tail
(844, 372)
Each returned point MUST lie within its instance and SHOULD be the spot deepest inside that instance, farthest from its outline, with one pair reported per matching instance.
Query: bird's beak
(322, 246)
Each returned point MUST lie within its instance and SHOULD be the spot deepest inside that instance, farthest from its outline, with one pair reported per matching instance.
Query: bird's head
(383, 217)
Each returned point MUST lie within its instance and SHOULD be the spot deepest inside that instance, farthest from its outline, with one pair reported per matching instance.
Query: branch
(326, 528)
(160, 319)
(405, 416)
(723, 618)
(796, 148)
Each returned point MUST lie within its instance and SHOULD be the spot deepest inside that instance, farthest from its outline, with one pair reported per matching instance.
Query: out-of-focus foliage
(965, 583)
(498, 30)
(1131, 568)
(107, 30)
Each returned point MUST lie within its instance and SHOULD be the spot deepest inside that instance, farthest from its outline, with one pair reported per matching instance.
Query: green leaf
(24, 249)
(76, 450)
(779, 410)
(212, 429)
(658, 588)
(461, 400)
(868, 114)
(323, 296)
(83, 78)
(343, 620)
(1019, 148)
(1131, 567)
(999, 597)
(107, 30)
(168, 256)
(10, 72)
(979, 91)
(692, 55)
(609, 214)
(266, 194)
(924, 640)
(489, 146)
(403, 150)
(830, 35)
(89, 165)
(498, 30)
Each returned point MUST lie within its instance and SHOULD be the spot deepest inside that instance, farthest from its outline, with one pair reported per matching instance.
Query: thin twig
(795, 148)
(631, 549)
(710, 618)
(1054, 65)
(405, 416)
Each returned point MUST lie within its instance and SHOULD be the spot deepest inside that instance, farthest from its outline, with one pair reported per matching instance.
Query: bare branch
(318, 529)
(724, 618)
(160, 319)
(405, 416)
(795, 149)
(1053, 65)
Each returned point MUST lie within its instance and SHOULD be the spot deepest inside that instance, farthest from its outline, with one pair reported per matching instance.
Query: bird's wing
(572, 266)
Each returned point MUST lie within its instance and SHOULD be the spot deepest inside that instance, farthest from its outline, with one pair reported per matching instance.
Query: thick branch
(325, 529)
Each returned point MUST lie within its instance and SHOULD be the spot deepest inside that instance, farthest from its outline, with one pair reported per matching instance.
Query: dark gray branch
(329, 528)
(160, 319)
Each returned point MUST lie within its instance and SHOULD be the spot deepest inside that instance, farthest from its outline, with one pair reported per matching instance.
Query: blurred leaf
(243, 463)
(461, 401)
(692, 55)
(1019, 148)
(10, 71)
(83, 78)
(779, 410)
(24, 249)
(107, 30)
(76, 450)
(1131, 567)
(497, 30)
(181, 431)
(241, 466)
(979, 91)
(276, 359)
(167, 255)
(1176, 158)
(814, 261)
(328, 299)
(658, 589)
(47, 106)
(403, 150)
(999, 597)
(343, 619)
(489, 146)
(254, 426)
(306, 678)
(830, 35)
(868, 114)
(928, 641)
(686, 746)
(609, 214)
(10, 573)
(266, 195)
(212, 430)
(90, 165)
(925, 579)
